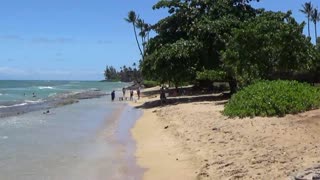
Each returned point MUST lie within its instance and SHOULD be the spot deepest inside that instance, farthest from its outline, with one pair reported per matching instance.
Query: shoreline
(126, 145)
(193, 140)
(158, 151)
(85, 140)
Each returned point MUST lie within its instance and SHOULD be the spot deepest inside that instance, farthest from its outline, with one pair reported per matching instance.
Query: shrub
(211, 75)
(273, 98)
(149, 84)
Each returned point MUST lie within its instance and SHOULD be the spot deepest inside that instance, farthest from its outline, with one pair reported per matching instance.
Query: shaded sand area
(191, 139)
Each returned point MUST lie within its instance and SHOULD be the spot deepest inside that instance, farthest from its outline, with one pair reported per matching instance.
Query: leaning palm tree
(140, 24)
(315, 17)
(307, 10)
(132, 18)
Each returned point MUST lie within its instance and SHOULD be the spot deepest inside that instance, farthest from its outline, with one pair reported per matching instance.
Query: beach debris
(215, 129)
(166, 127)
(311, 173)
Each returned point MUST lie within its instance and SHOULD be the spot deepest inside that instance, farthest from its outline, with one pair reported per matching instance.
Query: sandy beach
(193, 140)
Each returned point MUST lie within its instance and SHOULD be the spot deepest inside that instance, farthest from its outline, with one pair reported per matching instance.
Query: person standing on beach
(131, 95)
(113, 95)
(138, 92)
(124, 92)
(162, 95)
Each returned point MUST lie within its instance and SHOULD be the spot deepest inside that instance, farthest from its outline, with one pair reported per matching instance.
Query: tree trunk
(135, 34)
(308, 26)
(315, 31)
(233, 86)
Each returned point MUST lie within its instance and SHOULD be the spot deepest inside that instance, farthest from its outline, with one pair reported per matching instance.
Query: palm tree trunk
(309, 26)
(135, 34)
(315, 31)
(143, 43)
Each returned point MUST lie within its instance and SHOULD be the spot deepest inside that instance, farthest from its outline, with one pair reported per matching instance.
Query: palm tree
(140, 24)
(315, 17)
(132, 18)
(307, 10)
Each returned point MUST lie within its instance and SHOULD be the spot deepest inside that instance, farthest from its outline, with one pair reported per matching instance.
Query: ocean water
(85, 140)
(18, 97)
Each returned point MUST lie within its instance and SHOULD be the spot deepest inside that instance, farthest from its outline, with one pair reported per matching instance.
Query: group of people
(113, 95)
(163, 97)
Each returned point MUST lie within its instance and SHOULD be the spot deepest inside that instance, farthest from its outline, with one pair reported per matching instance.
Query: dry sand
(195, 141)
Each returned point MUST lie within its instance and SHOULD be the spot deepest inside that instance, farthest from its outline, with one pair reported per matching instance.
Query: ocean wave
(14, 105)
(34, 101)
(45, 87)
(52, 94)
(12, 108)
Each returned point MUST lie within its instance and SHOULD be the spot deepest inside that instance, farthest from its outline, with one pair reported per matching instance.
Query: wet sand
(193, 140)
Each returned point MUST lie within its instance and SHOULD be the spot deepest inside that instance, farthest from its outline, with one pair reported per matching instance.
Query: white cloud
(60, 40)
(11, 37)
(12, 71)
(18, 73)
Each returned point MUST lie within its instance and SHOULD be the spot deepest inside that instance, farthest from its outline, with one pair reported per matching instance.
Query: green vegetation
(223, 40)
(126, 74)
(268, 44)
(148, 84)
(211, 75)
(203, 42)
(307, 10)
(273, 98)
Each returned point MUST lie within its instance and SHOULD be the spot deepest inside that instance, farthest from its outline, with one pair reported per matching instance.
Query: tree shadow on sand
(221, 98)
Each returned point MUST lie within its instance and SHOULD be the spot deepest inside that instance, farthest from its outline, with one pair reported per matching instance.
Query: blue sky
(76, 39)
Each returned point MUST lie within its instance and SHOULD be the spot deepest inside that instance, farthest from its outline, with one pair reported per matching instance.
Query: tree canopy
(267, 44)
(224, 40)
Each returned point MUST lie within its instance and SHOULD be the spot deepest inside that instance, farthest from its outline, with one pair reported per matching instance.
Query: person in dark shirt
(162, 95)
(113, 95)
(131, 95)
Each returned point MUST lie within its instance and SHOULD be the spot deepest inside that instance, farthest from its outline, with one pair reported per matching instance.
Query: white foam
(34, 101)
(52, 94)
(45, 87)
(22, 104)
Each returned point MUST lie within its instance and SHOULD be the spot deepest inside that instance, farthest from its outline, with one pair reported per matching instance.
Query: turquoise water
(19, 97)
(19, 92)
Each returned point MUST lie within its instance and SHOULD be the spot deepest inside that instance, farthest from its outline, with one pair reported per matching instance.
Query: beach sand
(195, 141)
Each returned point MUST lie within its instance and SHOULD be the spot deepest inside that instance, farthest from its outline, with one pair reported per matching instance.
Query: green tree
(315, 17)
(110, 73)
(266, 45)
(191, 37)
(307, 10)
